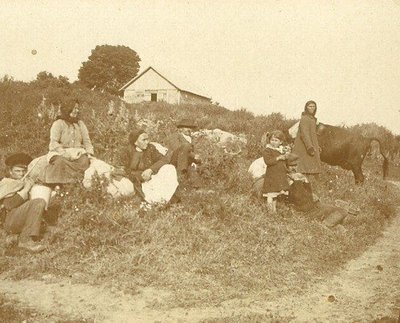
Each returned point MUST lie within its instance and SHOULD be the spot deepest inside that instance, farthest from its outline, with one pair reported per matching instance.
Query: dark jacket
(176, 141)
(135, 162)
(276, 174)
(9, 203)
(180, 152)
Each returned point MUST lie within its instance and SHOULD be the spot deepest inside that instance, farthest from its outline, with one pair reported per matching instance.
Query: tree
(109, 67)
(45, 76)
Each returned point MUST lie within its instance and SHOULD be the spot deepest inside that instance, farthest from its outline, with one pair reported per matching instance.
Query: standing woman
(306, 143)
(70, 147)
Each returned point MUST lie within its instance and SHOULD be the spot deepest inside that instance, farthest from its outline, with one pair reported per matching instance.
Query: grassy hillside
(218, 243)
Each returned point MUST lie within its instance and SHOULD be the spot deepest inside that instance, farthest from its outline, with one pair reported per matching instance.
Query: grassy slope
(212, 246)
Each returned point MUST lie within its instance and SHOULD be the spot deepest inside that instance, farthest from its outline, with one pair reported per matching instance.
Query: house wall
(149, 83)
(152, 83)
(189, 98)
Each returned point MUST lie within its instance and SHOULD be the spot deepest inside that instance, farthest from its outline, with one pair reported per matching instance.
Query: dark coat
(135, 162)
(307, 138)
(180, 152)
(276, 174)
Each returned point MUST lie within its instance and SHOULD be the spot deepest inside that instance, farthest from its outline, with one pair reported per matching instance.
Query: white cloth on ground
(162, 186)
(117, 188)
(257, 168)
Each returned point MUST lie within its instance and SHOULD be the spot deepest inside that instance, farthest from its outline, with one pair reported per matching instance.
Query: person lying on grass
(21, 216)
(154, 179)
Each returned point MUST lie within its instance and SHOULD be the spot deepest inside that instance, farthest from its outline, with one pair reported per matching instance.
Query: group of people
(285, 164)
(156, 176)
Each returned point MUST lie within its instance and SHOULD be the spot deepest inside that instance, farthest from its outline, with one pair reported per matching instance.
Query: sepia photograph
(199, 161)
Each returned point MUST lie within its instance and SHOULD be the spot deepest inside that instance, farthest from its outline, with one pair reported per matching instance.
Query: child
(275, 156)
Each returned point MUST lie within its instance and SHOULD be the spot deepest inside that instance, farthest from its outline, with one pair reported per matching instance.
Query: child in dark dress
(276, 180)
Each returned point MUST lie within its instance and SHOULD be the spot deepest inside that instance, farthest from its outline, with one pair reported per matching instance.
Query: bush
(218, 241)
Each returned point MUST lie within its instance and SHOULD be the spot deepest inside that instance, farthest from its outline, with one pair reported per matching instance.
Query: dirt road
(365, 289)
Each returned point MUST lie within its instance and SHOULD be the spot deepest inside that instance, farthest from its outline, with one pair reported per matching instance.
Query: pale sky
(264, 56)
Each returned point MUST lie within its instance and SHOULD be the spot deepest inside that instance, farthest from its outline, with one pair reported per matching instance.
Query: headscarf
(306, 105)
(65, 110)
(134, 135)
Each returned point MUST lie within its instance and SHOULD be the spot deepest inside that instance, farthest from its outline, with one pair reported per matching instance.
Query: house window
(154, 97)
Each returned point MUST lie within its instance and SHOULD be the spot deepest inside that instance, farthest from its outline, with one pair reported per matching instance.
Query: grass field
(218, 243)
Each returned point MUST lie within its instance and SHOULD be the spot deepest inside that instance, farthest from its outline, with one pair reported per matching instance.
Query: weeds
(218, 242)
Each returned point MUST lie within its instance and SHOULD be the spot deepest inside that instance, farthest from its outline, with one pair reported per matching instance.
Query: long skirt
(161, 186)
(26, 219)
(64, 171)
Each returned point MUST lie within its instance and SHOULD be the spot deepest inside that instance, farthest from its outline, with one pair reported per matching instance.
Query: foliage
(390, 142)
(218, 242)
(109, 67)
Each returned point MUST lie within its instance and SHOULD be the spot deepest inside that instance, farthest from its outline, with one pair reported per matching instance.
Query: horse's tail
(385, 166)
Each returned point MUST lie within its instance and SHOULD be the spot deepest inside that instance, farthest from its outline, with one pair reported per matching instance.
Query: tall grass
(219, 242)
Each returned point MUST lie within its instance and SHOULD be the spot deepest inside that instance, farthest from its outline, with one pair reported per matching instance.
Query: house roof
(190, 88)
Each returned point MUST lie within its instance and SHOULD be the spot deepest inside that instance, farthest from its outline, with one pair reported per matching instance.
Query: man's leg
(182, 158)
(26, 219)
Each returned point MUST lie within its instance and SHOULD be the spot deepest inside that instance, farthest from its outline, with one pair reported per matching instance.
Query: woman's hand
(146, 175)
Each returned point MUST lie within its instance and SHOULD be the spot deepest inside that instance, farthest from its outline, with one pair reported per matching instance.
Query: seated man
(181, 151)
(22, 216)
(154, 179)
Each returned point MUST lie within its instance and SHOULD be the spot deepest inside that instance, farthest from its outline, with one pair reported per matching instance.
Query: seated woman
(154, 179)
(70, 148)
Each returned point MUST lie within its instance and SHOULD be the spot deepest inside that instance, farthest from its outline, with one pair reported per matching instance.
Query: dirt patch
(365, 289)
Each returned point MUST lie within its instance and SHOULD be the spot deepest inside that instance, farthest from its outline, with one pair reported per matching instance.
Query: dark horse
(347, 149)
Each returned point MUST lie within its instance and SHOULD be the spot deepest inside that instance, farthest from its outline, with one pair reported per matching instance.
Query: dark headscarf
(307, 104)
(134, 135)
(65, 110)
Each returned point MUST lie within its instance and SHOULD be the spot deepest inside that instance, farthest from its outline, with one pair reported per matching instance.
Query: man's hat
(186, 123)
(18, 159)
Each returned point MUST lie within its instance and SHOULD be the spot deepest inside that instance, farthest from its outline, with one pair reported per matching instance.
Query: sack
(257, 168)
(293, 130)
(123, 187)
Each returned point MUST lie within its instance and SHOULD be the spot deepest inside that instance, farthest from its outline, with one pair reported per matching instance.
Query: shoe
(31, 246)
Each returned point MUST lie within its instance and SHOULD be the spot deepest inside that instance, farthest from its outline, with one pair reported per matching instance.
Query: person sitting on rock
(154, 179)
(69, 149)
(21, 216)
(181, 152)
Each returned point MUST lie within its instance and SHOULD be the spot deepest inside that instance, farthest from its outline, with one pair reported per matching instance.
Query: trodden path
(366, 288)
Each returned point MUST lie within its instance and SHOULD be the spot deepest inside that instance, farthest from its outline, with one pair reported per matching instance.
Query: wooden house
(150, 85)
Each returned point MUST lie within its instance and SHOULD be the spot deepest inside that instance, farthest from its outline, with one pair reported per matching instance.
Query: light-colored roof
(189, 87)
